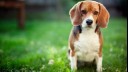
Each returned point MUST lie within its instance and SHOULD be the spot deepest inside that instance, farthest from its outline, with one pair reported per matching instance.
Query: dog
(85, 40)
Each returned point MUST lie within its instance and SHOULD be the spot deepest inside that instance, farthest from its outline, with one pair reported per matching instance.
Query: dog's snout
(89, 21)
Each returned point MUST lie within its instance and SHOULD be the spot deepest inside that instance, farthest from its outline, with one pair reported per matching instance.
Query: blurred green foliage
(67, 5)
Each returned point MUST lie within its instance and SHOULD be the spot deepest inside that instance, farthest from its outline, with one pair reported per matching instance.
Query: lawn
(42, 46)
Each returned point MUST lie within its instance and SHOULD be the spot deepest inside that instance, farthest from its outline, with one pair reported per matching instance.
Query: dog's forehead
(90, 6)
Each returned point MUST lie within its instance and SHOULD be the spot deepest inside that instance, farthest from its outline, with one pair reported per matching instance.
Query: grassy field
(42, 46)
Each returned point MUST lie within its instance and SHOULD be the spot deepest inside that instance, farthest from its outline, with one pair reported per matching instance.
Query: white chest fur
(87, 46)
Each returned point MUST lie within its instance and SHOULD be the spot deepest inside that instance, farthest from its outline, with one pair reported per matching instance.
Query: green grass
(40, 42)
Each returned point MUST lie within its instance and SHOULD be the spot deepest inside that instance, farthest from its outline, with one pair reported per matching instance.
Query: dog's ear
(75, 14)
(103, 17)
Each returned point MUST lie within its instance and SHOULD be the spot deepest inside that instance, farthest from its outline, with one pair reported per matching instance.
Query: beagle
(85, 40)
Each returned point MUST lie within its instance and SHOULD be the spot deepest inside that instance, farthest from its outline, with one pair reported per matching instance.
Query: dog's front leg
(73, 60)
(99, 64)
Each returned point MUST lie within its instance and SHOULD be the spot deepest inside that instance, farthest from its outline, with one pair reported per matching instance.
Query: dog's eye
(83, 11)
(95, 12)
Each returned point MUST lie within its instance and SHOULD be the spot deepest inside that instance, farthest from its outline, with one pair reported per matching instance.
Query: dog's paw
(99, 69)
(73, 68)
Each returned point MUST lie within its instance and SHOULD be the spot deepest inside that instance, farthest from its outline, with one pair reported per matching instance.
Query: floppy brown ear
(103, 17)
(75, 14)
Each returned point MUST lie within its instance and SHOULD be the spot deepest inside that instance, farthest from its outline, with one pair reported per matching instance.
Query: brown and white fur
(85, 40)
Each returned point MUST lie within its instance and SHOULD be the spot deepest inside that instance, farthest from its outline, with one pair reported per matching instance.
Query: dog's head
(88, 14)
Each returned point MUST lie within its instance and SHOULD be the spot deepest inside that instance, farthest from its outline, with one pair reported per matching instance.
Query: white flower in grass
(117, 70)
(43, 67)
(51, 62)
(104, 68)
(23, 69)
(33, 71)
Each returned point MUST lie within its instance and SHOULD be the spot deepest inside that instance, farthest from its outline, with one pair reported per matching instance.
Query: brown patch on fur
(103, 17)
(74, 35)
(97, 30)
(101, 44)
(75, 14)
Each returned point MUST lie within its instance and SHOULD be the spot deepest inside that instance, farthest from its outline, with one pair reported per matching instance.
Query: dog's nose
(89, 21)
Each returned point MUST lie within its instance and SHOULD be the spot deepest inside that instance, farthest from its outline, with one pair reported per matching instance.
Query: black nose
(89, 21)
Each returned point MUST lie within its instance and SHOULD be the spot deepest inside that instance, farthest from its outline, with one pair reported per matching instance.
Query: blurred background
(34, 36)
(51, 9)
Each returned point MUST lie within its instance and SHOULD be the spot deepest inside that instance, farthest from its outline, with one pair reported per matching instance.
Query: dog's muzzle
(89, 22)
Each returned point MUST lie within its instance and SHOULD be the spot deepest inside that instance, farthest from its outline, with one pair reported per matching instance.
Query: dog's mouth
(86, 26)
(89, 26)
